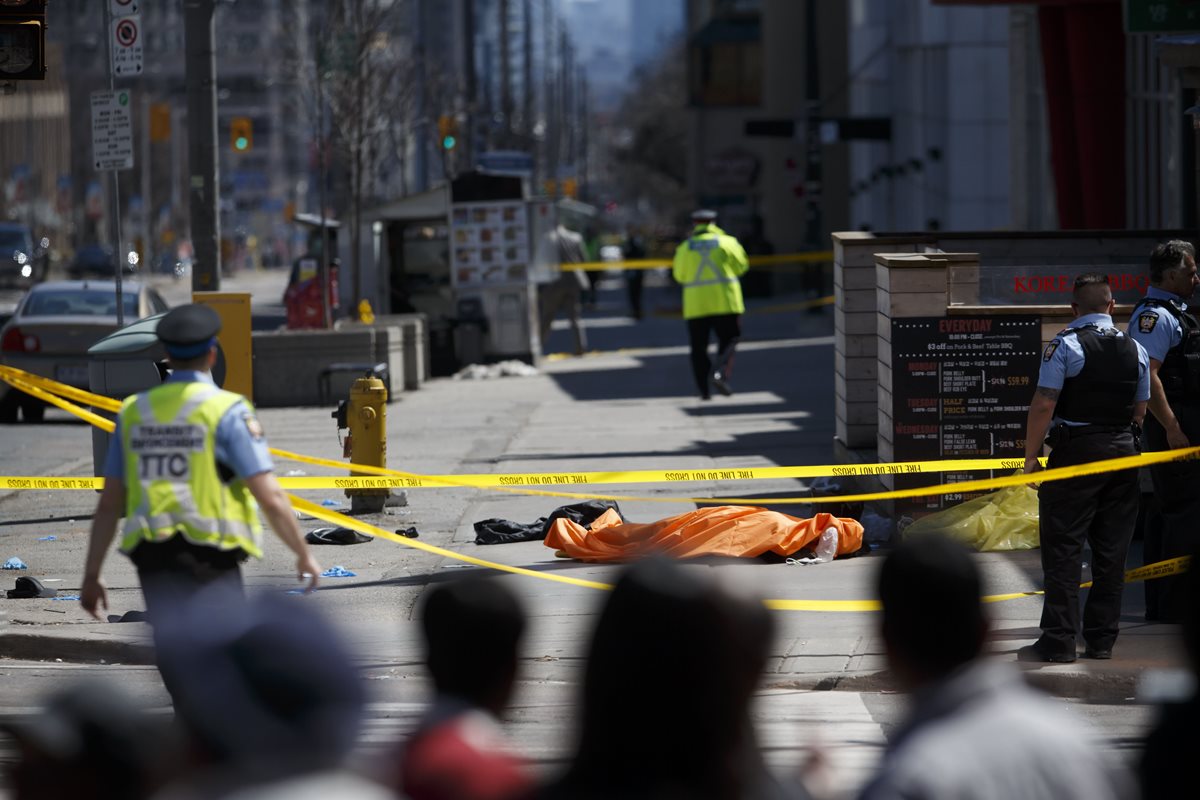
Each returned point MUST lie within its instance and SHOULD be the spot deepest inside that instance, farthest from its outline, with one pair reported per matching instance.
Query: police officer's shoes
(1031, 652)
(722, 384)
(1098, 653)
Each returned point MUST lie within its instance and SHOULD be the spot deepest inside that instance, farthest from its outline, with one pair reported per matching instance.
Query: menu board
(961, 388)
(489, 243)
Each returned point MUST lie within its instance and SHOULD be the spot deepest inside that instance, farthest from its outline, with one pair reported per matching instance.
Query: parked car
(54, 325)
(96, 260)
(22, 262)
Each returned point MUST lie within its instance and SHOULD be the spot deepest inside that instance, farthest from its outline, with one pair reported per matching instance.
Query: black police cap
(188, 325)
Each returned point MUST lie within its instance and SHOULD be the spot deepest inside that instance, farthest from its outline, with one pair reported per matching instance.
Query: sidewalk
(631, 406)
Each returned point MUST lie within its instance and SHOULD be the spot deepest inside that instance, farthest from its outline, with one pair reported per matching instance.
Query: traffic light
(448, 130)
(22, 40)
(241, 134)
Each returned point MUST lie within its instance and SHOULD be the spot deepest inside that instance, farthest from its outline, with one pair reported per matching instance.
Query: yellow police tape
(28, 383)
(818, 256)
(520, 484)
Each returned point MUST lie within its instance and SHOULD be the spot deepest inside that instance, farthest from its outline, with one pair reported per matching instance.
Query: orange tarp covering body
(739, 531)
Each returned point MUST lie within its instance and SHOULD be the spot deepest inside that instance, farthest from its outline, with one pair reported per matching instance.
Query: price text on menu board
(961, 388)
(489, 243)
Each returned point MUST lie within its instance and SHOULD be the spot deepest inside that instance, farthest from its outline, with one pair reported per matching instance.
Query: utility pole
(583, 134)
(147, 206)
(203, 187)
(323, 150)
(812, 147)
(527, 71)
(549, 146)
(566, 99)
(506, 98)
(470, 84)
(118, 251)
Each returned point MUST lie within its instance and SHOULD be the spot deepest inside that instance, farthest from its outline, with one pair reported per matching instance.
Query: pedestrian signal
(241, 134)
(22, 40)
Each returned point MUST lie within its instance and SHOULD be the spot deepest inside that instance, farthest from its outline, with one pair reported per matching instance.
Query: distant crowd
(268, 705)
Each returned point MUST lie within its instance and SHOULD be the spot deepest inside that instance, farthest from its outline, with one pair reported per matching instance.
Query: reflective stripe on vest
(171, 472)
(705, 247)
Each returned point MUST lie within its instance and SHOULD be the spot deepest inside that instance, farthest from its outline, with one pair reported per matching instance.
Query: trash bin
(123, 363)
(470, 331)
(126, 362)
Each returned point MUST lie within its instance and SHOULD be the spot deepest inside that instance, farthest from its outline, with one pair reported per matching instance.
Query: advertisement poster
(961, 389)
(489, 243)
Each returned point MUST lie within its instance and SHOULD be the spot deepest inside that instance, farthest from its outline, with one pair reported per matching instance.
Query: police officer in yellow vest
(708, 265)
(189, 470)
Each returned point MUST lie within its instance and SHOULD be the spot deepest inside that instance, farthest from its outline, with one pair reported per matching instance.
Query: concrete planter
(288, 364)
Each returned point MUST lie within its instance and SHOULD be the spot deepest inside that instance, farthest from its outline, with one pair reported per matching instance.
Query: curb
(1110, 686)
(1098, 686)
(38, 647)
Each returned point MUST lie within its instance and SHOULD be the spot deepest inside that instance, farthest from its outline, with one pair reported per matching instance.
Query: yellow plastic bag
(1003, 520)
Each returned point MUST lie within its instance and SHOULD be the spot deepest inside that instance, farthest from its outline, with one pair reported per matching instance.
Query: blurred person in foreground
(188, 467)
(269, 702)
(472, 629)
(1166, 766)
(975, 729)
(672, 669)
(89, 740)
(708, 265)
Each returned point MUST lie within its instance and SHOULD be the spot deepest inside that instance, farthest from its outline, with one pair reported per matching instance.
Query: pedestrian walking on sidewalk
(1163, 324)
(565, 293)
(188, 468)
(1089, 405)
(708, 265)
(975, 728)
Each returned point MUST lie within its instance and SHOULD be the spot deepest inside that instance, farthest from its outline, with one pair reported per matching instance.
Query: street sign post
(123, 8)
(126, 47)
(112, 130)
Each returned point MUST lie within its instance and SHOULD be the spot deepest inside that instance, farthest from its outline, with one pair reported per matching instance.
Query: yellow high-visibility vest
(708, 266)
(172, 484)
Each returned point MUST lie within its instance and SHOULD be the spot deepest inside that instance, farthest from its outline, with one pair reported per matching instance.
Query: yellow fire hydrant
(365, 414)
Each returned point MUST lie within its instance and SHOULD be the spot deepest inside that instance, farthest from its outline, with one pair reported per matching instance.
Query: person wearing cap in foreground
(189, 469)
(708, 265)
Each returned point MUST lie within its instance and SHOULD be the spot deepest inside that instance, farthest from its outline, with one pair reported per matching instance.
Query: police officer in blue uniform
(1091, 398)
(190, 522)
(1163, 325)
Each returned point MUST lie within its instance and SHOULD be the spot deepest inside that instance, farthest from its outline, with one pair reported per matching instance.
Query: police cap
(189, 331)
(704, 215)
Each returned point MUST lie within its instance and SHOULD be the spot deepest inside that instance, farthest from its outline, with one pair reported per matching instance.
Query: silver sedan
(54, 325)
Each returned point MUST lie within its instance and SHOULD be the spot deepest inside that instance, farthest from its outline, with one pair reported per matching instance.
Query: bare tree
(361, 100)
(649, 158)
(352, 75)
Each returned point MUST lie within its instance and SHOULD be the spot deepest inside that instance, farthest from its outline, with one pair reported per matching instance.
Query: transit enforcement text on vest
(171, 438)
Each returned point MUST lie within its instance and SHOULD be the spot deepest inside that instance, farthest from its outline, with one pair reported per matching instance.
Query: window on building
(726, 64)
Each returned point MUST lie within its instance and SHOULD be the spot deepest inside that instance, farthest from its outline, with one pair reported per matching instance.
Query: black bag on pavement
(503, 531)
